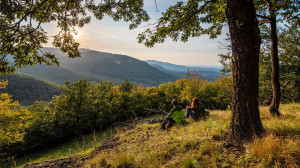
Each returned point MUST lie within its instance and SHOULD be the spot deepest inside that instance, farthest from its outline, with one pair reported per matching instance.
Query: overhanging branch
(263, 17)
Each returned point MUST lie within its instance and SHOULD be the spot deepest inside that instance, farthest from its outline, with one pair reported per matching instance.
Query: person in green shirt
(176, 115)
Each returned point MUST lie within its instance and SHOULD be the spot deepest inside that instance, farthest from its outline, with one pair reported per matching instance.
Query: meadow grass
(288, 124)
(195, 144)
(71, 148)
(201, 144)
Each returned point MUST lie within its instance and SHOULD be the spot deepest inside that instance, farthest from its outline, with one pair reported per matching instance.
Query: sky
(115, 37)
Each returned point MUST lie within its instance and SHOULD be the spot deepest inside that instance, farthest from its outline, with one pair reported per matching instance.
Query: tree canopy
(22, 21)
(187, 19)
(271, 12)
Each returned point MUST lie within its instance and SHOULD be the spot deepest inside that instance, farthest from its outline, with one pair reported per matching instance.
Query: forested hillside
(98, 66)
(28, 89)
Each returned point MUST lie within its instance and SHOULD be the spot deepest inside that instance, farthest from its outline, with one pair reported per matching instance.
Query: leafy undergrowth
(198, 144)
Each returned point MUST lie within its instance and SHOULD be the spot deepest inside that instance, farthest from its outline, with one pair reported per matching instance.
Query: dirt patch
(154, 121)
(60, 163)
(109, 143)
(75, 162)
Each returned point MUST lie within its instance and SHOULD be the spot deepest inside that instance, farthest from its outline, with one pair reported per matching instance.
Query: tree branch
(264, 17)
(201, 8)
(30, 12)
(294, 17)
(155, 5)
(190, 15)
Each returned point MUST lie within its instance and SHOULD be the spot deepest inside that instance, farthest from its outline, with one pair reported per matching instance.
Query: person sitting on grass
(197, 110)
(176, 115)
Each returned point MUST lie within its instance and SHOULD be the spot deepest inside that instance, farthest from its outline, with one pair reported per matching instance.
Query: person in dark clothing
(202, 110)
(196, 111)
(190, 113)
(176, 115)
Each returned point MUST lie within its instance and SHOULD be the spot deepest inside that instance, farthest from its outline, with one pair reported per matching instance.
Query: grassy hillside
(196, 144)
(98, 66)
(203, 144)
(28, 89)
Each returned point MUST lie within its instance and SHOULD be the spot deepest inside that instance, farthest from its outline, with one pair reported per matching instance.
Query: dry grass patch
(275, 151)
(201, 144)
(152, 147)
(121, 159)
(288, 124)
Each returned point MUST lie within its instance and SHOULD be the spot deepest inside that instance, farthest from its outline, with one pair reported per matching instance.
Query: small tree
(100, 113)
(13, 119)
(77, 103)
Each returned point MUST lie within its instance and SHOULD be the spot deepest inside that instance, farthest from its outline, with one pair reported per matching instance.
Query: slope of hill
(98, 66)
(208, 72)
(196, 144)
(56, 74)
(93, 66)
(28, 89)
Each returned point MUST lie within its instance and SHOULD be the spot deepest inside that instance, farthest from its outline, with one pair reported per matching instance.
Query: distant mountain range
(98, 66)
(208, 72)
(94, 66)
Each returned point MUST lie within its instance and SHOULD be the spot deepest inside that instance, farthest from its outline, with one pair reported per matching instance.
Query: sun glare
(76, 35)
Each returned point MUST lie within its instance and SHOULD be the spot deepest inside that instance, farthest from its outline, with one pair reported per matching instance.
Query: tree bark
(245, 40)
(274, 107)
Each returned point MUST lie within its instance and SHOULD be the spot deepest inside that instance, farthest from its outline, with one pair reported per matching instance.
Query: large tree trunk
(245, 41)
(274, 107)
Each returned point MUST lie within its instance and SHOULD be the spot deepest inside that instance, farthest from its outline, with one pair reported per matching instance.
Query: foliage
(22, 33)
(288, 47)
(290, 63)
(289, 66)
(215, 95)
(185, 19)
(276, 10)
(285, 10)
(13, 119)
(42, 124)
(76, 103)
(98, 105)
